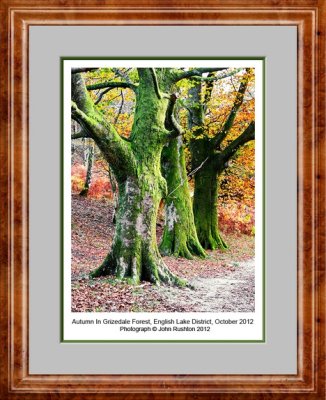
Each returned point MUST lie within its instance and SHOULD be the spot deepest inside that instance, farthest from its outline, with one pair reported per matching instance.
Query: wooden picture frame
(16, 17)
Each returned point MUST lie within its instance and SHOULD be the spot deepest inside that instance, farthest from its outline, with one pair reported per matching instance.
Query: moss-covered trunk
(205, 201)
(134, 253)
(205, 209)
(179, 235)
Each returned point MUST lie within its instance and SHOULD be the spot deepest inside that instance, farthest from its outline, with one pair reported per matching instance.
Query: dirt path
(232, 292)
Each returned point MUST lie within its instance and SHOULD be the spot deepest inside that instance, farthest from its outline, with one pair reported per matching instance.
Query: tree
(210, 154)
(89, 163)
(135, 162)
(179, 235)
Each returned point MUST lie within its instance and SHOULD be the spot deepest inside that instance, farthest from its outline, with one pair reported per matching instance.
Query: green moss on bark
(206, 195)
(134, 253)
(179, 235)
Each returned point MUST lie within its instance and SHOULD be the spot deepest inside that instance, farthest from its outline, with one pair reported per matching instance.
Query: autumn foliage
(100, 186)
(237, 194)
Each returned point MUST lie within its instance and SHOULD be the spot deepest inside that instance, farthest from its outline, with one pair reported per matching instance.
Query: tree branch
(247, 135)
(79, 135)
(116, 151)
(171, 124)
(214, 78)
(156, 85)
(122, 74)
(112, 85)
(208, 90)
(194, 72)
(100, 96)
(235, 108)
(120, 108)
(79, 116)
(79, 70)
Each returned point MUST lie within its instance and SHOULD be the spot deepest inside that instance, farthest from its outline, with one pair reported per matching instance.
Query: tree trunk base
(134, 255)
(153, 270)
(84, 193)
(212, 242)
(182, 246)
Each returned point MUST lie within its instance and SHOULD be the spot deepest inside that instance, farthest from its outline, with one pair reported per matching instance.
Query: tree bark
(89, 161)
(205, 210)
(206, 194)
(134, 253)
(179, 235)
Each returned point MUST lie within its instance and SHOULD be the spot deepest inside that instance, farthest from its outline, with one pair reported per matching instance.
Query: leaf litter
(224, 282)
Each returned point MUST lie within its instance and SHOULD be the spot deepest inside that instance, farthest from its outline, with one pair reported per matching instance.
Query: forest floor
(224, 282)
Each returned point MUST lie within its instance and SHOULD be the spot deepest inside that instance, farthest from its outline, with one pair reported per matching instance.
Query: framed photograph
(162, 200)
(139, 295)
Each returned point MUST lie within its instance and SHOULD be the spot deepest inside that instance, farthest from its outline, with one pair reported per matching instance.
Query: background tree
(89, 165)
(180, 236)
(211, 150)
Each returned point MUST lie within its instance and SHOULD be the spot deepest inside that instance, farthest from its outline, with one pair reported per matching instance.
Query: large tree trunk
(179, 236)
(134, 253)
(206, 195)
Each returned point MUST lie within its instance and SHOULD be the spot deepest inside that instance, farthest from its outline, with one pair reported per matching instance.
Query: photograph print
(162, 193)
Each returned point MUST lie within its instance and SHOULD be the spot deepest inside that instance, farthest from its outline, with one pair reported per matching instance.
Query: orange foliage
(78, 176)
(236, 217)
(100, 187)
(100, 184)
(237, 194)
